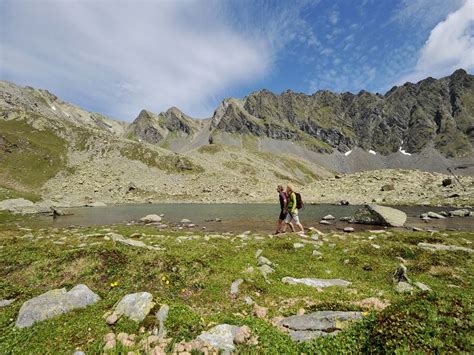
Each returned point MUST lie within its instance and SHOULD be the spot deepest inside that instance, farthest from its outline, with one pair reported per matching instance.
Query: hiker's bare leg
(292, 227)
(300, 226)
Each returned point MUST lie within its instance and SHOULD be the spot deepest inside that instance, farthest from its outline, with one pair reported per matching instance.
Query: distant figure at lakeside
(292, 215)
(283, 198)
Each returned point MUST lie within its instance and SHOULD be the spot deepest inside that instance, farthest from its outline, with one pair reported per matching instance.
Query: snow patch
(403, 151)
(372, 152)
(347, 153)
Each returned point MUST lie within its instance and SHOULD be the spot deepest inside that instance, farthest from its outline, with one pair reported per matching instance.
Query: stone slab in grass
(54, 303)
(318, 283)
(313, 325)
(442, 247)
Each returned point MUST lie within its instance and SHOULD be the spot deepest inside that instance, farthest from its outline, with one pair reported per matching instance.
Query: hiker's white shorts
(292, 217)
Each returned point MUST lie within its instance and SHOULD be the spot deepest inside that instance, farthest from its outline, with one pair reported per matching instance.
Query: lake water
(238, 217)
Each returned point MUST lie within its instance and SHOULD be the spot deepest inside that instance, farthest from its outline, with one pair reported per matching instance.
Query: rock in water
(380, 215)
(329, 217)
(435, 215)
(135, 306)
(53, 303)
(151, 218)
(309, 326)
(318, 283)
(221, 336)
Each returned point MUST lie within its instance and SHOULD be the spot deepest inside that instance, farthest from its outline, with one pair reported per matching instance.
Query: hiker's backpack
(299, 201)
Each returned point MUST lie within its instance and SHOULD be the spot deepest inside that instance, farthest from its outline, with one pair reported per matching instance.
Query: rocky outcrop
(135, 306)
(380, 216)
(54, 303)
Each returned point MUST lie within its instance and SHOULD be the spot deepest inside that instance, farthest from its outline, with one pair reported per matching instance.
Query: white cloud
(450, 46)
(334, 17)
(119, 57)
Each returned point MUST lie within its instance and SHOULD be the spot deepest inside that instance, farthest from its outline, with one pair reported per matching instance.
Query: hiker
(292, 215)
(283, 209)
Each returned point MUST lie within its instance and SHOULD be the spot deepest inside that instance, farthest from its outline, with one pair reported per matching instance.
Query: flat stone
(298, 245)
(318, 283)
(151, 218)
(54, 303)
(112, 319)
(322, 321)
(380, 215)
(348, 229)
(442, 247)
(185, 221)
(422, 286)
(15, 203)
(135, 306)
(460, 213)
(325, 222)
(131, 242)
(221, 336)
(234, 287)
(435, 215)
(329, 217)
(317, 253)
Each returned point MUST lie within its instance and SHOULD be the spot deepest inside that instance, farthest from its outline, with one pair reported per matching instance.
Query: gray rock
(258, 253)
(403, 287)
(325, 222)
(221, 336)
(435, 215)
(298, 245)
(317, 253)
(185, 221)
(400, 275)
(4, 303)
(459, 213)
(422, 286)
(329, 217)
(53, 303)
(161, 315)
(442, 247)
(131, 242)
(15, 203)
(348, 229)
(79, 353)
(135, 306)
(234, 288)
(151, 218)
(318, 283)
(380, 215)
(263, 261)
(313, 325)
(345, 219)
(248, 300)
(265, 270)
(96, 204)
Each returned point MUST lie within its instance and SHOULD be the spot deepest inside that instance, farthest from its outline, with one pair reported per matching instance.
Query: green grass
(174, 163)
(30, 157)
(200, 274)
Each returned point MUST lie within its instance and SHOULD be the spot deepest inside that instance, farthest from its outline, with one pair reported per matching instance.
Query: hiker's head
(280, 188)
(290, 188)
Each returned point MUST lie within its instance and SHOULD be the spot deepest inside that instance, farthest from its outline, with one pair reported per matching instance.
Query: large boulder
(380, 215)
(53, 303)
(15, 204)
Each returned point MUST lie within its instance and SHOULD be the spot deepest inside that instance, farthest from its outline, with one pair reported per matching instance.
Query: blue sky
(117, 57)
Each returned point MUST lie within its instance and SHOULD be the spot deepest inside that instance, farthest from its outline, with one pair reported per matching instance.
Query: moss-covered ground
(192, 272)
